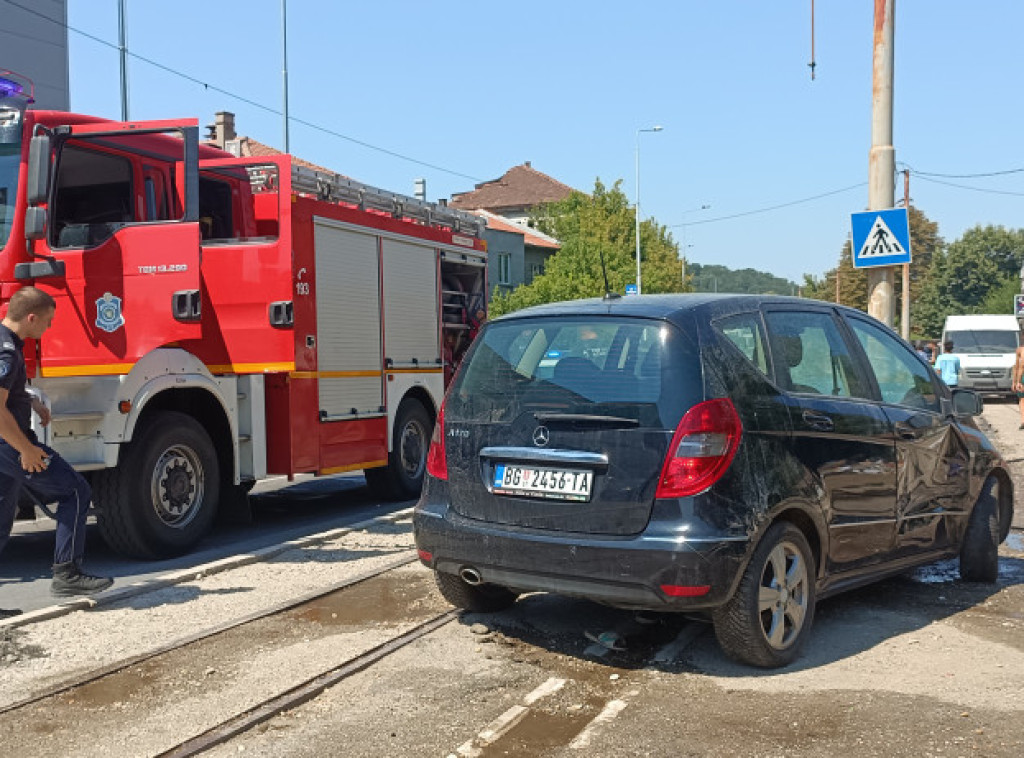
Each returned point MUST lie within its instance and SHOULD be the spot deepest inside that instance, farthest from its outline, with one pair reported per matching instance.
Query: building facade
(37, 48)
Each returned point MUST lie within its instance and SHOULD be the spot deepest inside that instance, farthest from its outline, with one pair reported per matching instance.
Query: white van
(986, 346)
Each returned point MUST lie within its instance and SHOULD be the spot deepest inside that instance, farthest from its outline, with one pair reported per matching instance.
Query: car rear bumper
(628, 572)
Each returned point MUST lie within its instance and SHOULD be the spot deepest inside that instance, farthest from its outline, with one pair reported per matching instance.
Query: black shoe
(7, 613)
(69, 580)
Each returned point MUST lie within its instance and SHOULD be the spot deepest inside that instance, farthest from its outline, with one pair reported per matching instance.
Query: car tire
(979, 553)
(479, 598)
(764, 624)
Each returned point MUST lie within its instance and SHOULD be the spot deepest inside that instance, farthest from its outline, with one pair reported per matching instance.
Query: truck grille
(987, 373)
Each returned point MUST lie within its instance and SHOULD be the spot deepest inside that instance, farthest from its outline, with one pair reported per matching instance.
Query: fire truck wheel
(402, 479)
(162, 497)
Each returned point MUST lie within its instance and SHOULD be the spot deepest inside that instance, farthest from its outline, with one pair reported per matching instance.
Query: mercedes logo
(541, 435)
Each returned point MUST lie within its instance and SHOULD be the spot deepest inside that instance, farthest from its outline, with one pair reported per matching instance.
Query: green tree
(713, 277)
(975, 274)
(853, 282)
(1000, 298)
(587, 228)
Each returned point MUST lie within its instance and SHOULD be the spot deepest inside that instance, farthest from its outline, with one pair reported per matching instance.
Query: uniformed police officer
(26, 463)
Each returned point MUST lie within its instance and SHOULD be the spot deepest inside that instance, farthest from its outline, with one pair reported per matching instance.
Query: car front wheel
(979, 553)
(767, 620)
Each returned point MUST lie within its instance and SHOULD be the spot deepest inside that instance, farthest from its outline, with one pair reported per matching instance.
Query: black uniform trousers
(58, 483)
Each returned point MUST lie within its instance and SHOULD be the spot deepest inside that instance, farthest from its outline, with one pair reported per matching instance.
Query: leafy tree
(711, 278)
(589, 227)
(1000, 298)
(853, 282)
(977, 273)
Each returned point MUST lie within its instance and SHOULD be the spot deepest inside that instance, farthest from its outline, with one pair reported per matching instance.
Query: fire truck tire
(402, 478)
(162, 497)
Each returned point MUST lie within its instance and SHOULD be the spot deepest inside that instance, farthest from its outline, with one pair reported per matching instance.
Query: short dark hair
(948, 346)
(29, 300)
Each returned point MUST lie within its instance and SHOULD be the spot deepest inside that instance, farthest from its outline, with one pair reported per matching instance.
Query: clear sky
(475, 88)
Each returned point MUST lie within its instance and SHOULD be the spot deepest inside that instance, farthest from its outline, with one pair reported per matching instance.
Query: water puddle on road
(542, 731)
(134, 682)
(389, 599)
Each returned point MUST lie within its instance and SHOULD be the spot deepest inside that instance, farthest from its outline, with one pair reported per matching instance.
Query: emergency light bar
(11, 87)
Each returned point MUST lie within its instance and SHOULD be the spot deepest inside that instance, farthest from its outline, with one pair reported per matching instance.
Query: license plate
(551, 483)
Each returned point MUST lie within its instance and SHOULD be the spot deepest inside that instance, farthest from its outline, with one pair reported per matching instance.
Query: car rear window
(640, 369)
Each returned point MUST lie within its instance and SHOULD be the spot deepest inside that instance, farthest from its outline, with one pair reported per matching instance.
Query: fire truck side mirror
(38, 183)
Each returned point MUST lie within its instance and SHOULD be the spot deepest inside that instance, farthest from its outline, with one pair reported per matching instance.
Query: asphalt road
(281, 511)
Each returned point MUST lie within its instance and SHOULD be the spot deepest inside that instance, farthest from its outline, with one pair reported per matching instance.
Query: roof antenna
(608, 294)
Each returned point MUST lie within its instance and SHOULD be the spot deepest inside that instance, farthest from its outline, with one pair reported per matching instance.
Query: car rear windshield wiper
(586, 419)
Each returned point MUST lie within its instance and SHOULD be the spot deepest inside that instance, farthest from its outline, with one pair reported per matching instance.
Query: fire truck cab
(222, 319)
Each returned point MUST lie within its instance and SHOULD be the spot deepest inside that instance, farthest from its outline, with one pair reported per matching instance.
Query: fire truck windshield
(10, 158)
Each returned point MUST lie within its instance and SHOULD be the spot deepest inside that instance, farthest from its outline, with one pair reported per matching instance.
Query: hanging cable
(769, 208)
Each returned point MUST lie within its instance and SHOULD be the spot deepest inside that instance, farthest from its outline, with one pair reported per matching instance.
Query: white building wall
(37, 48)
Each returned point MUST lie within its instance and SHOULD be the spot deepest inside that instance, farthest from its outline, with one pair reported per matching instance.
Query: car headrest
(791, 347)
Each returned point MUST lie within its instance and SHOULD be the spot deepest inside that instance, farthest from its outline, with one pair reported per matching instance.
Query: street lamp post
(639, 286)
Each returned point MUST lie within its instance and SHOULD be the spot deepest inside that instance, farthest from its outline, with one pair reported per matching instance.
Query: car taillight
(437, 461)
(702, 449)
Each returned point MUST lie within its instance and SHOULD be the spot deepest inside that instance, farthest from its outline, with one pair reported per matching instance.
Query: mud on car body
(741, 456)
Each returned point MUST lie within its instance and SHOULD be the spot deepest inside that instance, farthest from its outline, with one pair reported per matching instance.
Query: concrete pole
(882, 159)
(122, 37)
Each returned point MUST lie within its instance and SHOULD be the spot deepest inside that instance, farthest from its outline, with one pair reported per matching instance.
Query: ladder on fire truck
(334, 188)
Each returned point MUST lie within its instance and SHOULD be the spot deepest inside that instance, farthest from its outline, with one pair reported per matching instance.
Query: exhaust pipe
(471, 576)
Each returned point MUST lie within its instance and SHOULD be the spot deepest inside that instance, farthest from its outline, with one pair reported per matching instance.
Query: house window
(504, 268)
(538, 269)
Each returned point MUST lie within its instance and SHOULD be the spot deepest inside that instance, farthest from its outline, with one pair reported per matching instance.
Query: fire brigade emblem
(108, 313)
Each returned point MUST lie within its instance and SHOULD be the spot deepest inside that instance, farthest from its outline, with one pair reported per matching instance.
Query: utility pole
(882, 159)
(905, 306)
(122, 37)
(284, 69)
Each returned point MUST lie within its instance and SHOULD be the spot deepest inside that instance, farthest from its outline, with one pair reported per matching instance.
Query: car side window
(902, 377)
(745, 332)
(811, 357)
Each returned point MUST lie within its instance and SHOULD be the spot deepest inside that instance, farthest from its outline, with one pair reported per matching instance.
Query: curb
(108, 597)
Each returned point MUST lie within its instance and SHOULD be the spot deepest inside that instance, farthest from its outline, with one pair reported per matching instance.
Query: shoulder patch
(5, 369)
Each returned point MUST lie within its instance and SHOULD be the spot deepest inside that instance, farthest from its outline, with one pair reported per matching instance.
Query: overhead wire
(243, 99)
(770, 207)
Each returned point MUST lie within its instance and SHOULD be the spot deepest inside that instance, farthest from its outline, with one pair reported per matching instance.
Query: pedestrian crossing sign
(880, 238)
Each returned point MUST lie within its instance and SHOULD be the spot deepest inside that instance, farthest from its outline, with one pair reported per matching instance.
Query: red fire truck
(222, 319)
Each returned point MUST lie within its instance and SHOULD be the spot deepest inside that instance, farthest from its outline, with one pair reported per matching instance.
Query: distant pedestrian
(1018, 382)
(26, 464)
(947, 365)
(922, 350)
(933, 348)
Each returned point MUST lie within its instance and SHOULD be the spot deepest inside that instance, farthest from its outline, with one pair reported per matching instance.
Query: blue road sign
(880, 238)
(630, 289)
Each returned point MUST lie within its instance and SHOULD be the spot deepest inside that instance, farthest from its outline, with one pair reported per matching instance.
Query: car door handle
(818, 421)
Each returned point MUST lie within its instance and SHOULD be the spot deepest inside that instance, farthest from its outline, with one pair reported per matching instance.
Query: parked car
(742, 456)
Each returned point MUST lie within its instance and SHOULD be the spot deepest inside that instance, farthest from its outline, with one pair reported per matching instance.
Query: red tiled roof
(530, 236)
(520, 187)
(251, 148)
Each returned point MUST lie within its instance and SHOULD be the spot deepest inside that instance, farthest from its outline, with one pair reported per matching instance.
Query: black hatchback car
(737, 455)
